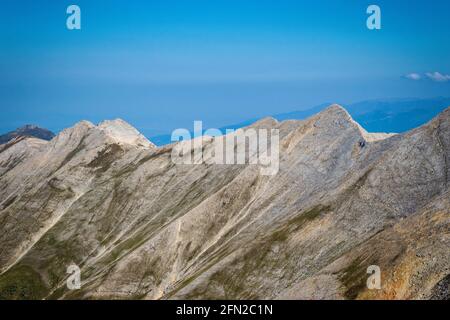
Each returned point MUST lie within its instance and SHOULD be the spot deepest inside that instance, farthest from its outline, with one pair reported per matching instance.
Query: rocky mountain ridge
(140, 227)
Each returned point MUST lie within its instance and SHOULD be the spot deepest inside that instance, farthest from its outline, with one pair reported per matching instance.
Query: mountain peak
(336, 111)
(106, 132)
(114, 122)
(28, 127)
(336, 116)
(28, 130)
(123, 132)
(267, 122)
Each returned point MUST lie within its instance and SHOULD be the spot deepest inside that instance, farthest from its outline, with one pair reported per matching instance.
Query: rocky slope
(141, 227)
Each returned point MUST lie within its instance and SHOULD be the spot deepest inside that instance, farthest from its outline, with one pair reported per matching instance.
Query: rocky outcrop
(139, 226)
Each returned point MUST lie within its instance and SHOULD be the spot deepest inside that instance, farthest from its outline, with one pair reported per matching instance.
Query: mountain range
(388, 115)
(104, 198)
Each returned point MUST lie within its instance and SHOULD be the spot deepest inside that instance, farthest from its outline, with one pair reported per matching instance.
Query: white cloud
(414, 76)
(438, 77)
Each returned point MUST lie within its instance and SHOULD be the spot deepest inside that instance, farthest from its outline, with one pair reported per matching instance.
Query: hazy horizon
(163, 64)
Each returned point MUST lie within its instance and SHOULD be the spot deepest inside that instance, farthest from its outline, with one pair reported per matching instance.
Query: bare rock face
(141, 227)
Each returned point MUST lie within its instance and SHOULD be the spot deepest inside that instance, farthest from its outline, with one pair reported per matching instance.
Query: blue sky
(162, 64)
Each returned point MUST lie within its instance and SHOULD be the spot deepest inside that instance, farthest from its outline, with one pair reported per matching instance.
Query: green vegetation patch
(22, 283)
(257, 261)
(106, 157)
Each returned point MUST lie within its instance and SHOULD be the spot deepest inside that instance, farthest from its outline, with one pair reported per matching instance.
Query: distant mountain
(392, 115)
(27, 131)
(396, 115)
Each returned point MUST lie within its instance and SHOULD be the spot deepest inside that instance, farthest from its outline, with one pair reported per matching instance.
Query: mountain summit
(141, 227)
(123, 132)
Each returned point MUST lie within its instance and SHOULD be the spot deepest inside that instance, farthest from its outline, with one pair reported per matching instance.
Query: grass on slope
(22, 283)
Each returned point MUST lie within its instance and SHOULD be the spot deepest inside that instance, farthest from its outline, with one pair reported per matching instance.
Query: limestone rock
(139, 226)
